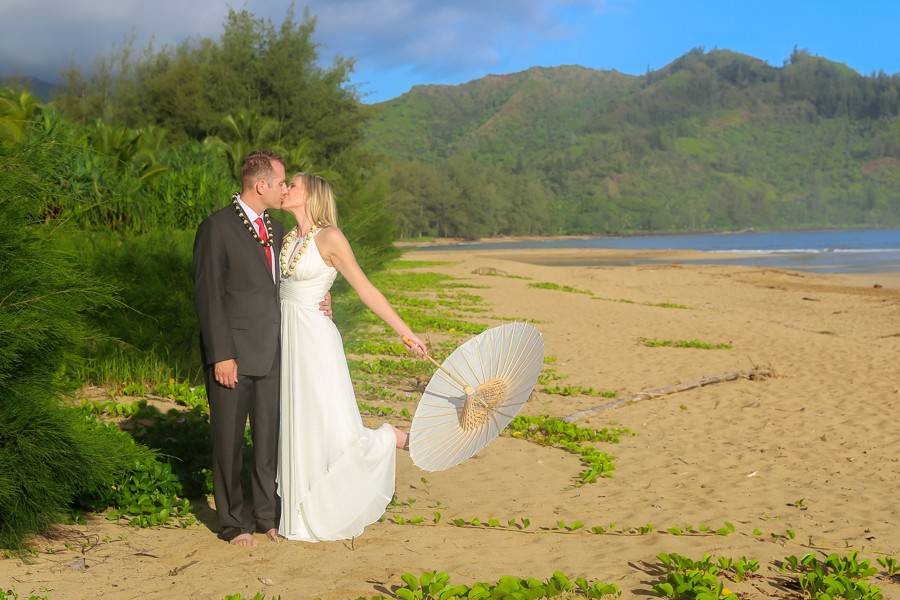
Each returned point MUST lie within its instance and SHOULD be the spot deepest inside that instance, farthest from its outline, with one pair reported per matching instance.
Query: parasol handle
(465, 387)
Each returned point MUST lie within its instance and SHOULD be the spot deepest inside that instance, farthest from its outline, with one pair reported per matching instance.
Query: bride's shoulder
(331, 234)
(331, 241)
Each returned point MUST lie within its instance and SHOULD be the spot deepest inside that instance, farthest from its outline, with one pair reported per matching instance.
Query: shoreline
(409, 245)
(600, 258)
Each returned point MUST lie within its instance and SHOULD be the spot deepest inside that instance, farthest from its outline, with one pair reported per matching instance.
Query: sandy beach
(814, 451)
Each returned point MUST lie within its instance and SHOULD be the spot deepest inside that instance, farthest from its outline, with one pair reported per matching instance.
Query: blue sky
(401, 43)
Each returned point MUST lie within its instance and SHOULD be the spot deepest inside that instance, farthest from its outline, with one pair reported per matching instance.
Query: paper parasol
(474, 395)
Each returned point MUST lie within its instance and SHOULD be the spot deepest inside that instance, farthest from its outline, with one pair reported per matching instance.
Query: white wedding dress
(335, 476)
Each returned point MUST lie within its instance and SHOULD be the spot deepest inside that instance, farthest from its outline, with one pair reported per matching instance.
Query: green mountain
(714, 140)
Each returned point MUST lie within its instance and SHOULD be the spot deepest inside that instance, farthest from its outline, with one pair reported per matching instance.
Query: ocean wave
(806, 251)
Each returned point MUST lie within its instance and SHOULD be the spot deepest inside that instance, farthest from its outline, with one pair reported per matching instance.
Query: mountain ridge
(714, 139)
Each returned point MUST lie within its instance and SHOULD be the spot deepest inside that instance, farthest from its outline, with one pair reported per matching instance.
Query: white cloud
(437, 36)
(40, 37)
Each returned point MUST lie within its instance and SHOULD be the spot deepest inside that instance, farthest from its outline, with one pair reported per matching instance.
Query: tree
(253, 66)
(241, 134)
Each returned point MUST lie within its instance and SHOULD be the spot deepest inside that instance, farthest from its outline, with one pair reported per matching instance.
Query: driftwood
(754, 374)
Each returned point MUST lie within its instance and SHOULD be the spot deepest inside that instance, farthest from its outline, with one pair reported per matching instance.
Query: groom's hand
(226, 373)
(325, 305)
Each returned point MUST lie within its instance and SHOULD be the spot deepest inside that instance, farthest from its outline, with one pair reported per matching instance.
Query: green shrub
(184, 438)
(659, 343)
(549, 285)
(834, 577)
(689, 579)
(50, 456)
(433, 585)
(12, 595)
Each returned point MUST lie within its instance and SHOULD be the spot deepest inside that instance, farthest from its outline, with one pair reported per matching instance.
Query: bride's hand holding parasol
(414, 344)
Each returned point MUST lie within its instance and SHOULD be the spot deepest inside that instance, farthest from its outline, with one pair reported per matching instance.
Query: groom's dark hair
(258, 165)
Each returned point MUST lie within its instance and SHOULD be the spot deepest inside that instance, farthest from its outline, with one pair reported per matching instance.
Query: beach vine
(555, 432)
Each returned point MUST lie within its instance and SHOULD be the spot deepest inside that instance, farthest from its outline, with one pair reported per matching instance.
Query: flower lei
(288, 269)
(243, 216)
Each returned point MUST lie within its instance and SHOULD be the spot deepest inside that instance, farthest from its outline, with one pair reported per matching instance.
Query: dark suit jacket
(236, 300)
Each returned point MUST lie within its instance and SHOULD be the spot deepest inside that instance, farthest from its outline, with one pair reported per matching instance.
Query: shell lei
(288, 268)
(240, 213)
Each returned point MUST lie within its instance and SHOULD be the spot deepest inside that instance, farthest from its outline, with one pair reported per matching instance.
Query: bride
(335, 476)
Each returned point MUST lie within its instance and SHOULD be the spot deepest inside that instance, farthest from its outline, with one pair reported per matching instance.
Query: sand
(824, 431)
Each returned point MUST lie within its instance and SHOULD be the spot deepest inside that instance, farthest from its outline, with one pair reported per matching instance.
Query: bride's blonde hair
(320, 203)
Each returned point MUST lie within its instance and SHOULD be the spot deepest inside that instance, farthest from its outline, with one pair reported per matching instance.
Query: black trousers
(258, 399)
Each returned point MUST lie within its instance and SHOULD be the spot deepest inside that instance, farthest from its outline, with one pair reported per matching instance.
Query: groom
(236, 281)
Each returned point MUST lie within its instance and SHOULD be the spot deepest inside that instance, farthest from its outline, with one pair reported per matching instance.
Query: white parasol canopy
(474, 395)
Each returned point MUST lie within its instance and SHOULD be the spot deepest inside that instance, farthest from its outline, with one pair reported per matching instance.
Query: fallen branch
(754, 374)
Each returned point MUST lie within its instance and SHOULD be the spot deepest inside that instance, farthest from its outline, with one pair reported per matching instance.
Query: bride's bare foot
(245, 539)
(402, 439)
(273, 536)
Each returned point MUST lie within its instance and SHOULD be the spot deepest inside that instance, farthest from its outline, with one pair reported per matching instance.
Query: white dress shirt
(253, 216)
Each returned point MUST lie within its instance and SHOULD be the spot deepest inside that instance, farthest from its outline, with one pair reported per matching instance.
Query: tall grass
(155, 328)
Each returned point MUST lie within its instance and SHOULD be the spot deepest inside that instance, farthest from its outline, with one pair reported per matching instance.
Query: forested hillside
(714, 140)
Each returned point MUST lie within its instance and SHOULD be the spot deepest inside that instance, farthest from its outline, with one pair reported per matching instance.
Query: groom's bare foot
(245, 539)
(273, 536)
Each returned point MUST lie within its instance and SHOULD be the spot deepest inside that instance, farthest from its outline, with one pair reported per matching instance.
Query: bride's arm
(335, 248)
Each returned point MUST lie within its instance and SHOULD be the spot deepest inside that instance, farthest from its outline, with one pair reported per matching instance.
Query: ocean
(829, 251)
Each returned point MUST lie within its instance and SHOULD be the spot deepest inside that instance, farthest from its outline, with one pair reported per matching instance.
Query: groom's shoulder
(213, 226)
(218, 218)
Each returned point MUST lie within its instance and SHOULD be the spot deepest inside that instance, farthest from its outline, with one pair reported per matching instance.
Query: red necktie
(264, 236)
